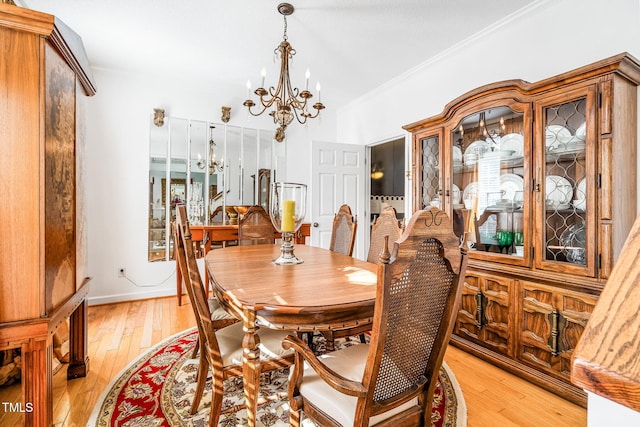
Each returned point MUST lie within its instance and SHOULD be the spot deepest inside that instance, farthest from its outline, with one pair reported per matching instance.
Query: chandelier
(214, 165)
(287, 102)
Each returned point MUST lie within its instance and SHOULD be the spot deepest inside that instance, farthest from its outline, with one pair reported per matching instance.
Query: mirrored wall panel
(217, 170)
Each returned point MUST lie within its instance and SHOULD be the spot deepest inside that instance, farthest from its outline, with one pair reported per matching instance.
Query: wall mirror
(217, 170)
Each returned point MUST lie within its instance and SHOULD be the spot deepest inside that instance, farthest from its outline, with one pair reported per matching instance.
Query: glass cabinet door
(488, 152)
(564, 191)
(429, 170)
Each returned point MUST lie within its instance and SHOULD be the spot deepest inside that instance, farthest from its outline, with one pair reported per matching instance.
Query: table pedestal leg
(251, 366)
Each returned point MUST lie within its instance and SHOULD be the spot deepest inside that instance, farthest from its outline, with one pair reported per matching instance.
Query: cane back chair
(390, 382)
(343, 232)
(386, 225)
(221, 348)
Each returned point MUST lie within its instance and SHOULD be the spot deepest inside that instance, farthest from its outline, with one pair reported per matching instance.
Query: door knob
(315, 224)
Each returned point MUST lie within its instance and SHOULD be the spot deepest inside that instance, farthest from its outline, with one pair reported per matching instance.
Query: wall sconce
(226, 114)
(214, 165)
(158, 117)
(200, 163)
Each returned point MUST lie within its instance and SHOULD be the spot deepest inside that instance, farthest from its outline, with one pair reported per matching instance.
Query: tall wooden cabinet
(43, 279)
(548, 170)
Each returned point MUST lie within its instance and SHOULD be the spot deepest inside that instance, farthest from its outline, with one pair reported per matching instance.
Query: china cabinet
(548, 171)
(43, 268)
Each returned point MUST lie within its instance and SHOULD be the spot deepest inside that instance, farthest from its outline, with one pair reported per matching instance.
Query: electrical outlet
(122, 272)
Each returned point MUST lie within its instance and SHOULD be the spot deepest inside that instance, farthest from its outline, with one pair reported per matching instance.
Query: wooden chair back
(186, 260)
(191, 275)
(417, 298)
(343, 232)
(255, 228)
(386, 225)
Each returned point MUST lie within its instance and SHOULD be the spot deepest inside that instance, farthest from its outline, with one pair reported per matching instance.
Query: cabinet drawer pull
(479, 313)
(555, 317)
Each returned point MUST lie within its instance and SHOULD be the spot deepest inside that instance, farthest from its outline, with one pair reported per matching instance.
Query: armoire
(44, 79)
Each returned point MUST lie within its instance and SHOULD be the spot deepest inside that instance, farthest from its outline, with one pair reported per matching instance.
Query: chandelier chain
(284, 36)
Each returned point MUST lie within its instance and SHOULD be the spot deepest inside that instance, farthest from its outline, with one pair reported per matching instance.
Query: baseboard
(132, 296)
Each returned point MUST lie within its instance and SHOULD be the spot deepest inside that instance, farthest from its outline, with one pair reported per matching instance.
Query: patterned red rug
(157, 390)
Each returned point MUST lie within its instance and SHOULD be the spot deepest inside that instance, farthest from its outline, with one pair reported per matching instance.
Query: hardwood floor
(118, 333)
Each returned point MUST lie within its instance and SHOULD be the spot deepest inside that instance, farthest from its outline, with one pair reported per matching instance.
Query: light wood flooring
(118, 333)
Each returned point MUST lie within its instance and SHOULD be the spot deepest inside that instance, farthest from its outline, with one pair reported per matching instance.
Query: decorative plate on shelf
(478, 148)
(581, 132)
(513, 141)
(580, 202)
(555, 135)
(558, 192)
(457, 153)
(575, 145)
(512, 187)
(470, 191)
(455, 195)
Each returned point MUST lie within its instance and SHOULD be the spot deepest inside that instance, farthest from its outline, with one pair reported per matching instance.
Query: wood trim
(605, 359)
(23, 19)
(70, 46)
(67, 42)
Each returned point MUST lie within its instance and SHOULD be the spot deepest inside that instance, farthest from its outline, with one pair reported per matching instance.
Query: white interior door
(338, 174)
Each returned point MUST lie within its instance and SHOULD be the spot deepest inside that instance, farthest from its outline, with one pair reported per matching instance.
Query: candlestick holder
(287, 206)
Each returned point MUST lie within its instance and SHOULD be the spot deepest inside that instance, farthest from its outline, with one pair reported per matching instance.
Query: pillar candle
(288, 213)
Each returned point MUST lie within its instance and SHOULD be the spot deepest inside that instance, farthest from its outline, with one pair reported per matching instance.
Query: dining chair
(221, 347)
(343, 238)
(343, 232)
(385, 225)
(391, 380)
(255, 228)
(219, 315)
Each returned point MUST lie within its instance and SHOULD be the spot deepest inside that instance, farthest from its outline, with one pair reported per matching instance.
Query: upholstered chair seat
(230, 342)
(349, 363)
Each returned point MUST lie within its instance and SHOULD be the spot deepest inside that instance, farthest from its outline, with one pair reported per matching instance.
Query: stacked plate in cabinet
(560, 140)
(580, 202)
(513, 142)
(558, 192)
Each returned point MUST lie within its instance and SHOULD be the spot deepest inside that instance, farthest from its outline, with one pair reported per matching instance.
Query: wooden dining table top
(328, 290)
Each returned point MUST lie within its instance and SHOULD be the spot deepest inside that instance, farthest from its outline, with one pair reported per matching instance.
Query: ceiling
(350, 46)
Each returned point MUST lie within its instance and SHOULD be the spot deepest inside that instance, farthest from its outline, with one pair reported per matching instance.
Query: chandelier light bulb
(306, 76)
(263, 73)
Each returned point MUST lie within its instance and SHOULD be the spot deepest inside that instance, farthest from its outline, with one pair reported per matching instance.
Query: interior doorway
(387, 178)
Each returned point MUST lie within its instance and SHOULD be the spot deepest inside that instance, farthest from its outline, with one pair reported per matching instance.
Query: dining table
(204, 235)
(327, 291)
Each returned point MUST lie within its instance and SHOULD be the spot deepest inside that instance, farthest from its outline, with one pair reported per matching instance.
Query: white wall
(549, 38)
(117, 170)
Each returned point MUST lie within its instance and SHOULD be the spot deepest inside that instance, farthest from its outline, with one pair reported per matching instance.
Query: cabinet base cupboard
(548, 171)
(43, 265)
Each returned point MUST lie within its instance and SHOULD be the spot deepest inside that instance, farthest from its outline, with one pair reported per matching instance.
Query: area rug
(157, 389)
